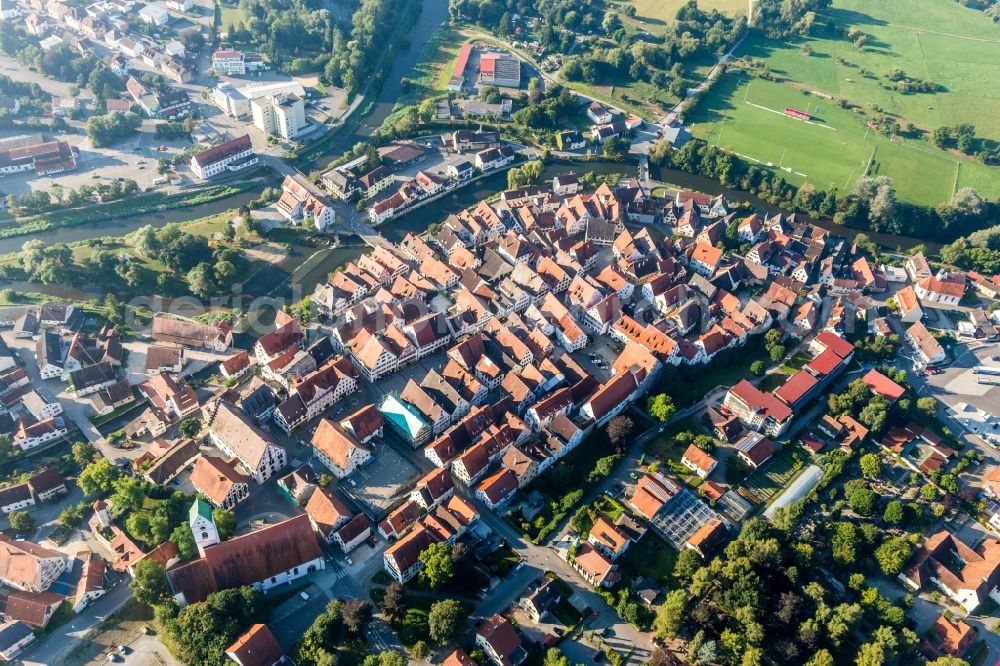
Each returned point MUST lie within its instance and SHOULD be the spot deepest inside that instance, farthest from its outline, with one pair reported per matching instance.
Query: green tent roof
(403, 416)
(200, 508)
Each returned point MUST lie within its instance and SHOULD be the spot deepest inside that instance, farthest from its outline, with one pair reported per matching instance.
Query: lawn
(774, 475)
(662, 12)
(652, 557)
(434, 65)
(230, 15)
(934, 40)
(747, 117)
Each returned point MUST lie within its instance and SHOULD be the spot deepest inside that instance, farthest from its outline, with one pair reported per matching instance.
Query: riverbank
(139, 205)
(681, 180)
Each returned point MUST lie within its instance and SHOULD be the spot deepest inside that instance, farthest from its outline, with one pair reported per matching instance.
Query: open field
(434, 64)
(933, 40)
(661, 12)
(230, 15)
(835, 148)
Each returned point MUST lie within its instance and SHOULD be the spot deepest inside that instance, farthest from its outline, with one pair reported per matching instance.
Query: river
(118, 227)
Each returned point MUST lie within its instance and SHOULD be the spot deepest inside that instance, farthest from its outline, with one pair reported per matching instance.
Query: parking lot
(377, 485)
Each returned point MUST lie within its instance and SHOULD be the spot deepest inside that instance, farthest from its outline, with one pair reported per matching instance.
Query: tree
(874, 414)
(97, 478)
(862, 501)
(391, 658)
(777, 352)
(436, 559)
(892, 554)
(420, 650)
(928, 492)
(201, 280)
(20, 521)
(661, 407)
(190, 427)
(670, 614)
(149, 582)
(225, 522)
(928, 407)
(83, 453)
(555, 657)
(72, 516)
(758, 368)
(109, 128)
(445, 621)
(202, 631)
(619, 428)
(356, 613)
(871, 466)
(893, 513)
(524, 175)
(394, 601)
(184, 540)
(130, 493)
(137, 525)
(688, 563)
(844, 543)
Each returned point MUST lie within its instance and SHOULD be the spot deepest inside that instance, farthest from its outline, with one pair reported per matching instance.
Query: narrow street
(537, 560)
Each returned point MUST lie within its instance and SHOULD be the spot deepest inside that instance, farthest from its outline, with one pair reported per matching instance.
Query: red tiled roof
(882, 385)
(797, 386)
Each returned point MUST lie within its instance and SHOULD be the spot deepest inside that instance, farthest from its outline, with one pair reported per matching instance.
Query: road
(55, 647)
(539, 559)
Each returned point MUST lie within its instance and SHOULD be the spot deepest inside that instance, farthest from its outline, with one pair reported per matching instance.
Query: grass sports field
(936, 40)
(746, 116)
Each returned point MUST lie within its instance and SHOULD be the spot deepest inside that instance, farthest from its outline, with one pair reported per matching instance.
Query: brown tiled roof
(611, 394)
(608, 535)
(172, 461)
(327, 510)
(256, 647)
(458, 658)
(365, 422)
(499, 486)
(335, 443)
(247, 559)
(354, 527)
(701, 459)
(92, 574)
(223, 150)
(501, 636)
(233, 427)
(237, 362)
(406, 551)
(436, 483)
(215, 477)
(31, 607)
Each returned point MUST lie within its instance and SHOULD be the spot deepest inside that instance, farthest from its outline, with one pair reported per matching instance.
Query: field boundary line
(944, 34)
(785, 115)
(770, 165)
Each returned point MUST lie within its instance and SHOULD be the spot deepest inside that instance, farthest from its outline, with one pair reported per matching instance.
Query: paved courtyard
(377, 485)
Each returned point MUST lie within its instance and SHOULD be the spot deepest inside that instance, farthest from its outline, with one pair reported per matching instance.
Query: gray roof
(13, 632)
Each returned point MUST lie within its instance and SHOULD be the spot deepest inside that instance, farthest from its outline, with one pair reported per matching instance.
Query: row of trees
(871, 205)
(355, 57)
(978, 251)
(43, 201)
